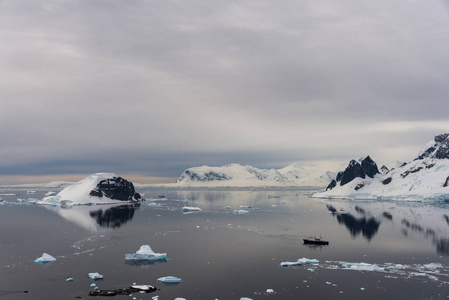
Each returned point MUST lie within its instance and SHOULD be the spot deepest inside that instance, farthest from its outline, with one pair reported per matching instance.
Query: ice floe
(169, 280)
(95, 275)
(189, 209)
(146, 253)
(241, 211)
(299, 262)
(45, 258)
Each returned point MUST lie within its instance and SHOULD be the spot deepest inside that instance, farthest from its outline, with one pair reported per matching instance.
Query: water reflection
(92, 217)
(114, 217)
(368, 227)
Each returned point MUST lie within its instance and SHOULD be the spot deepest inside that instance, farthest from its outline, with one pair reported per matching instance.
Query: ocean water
(377, 250)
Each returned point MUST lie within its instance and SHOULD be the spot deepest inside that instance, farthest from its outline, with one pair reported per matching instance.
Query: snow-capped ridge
(426, 177)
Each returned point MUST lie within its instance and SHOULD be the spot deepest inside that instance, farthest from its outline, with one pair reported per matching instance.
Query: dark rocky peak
(438, 148)
(115, 188)
(369, 167)
(353, 170)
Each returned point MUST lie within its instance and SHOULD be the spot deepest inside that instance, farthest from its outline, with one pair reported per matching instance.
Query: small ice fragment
(362, 289)
(270, 291)
(191, 209)
(299, 262)
(169, 279)
(95, 275)
(45, 258)
(227, 207)
(69, 279)
(178, 298)
(240, 211)
(290, 263)
(143, 287)
(328, 282)
(155, 298)
(146, 253)
(245, 298)
(93, 285)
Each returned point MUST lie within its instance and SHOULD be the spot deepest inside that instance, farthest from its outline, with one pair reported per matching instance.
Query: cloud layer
(154, 87)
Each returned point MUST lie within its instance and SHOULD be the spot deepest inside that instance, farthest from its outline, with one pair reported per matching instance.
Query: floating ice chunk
(146, 253)
(228, 207)
(169, 280)
(69, 279)
(362, 267)
(93, 285)
(143, 287)
(45, 258)
(240, 211)
(95, 275)
(362, 289)
(299, 262)
(244, 206)
(245, 298)
(191, 209)
(270, 291)
(155, 298)
(177, 298)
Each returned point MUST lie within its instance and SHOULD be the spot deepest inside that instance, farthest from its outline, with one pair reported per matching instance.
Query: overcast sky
(150, 88)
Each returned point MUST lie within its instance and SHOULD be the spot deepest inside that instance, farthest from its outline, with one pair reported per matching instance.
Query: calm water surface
(220, 254)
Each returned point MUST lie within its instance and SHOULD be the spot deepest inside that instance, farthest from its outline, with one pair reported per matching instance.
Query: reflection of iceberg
(115, 216)
(145, 253)
(90, 217)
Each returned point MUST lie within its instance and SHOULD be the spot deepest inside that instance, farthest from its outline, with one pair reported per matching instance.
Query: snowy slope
(426, 177)
(243, 176)
(78, 193)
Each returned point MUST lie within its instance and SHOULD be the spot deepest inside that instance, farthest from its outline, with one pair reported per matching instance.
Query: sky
(147, 89)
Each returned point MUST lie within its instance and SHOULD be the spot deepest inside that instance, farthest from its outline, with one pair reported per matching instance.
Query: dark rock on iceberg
(359, 186)
(446, 183)
(331, 185)
(387, 181)
(115, 188)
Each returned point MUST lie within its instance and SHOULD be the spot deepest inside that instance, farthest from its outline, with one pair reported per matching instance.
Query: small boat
(315, 241)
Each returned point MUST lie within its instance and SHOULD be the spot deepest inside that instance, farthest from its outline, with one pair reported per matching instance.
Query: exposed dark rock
(446, 183)
(115, 188)
(359, 186)
(403, 165)
(125, 291)
(384, 170)
(331, 185)
(403, 175)
(211, 176)
(439, 150)
(387, 215)
(353, 170)
(369, 167)
(387, 181)
(416, 170)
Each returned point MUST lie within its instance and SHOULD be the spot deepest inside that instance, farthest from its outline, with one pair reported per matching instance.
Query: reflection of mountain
(368, 227)
(114, 217)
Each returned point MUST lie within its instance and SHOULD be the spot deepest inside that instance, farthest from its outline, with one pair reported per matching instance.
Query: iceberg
(45, 258)
(146, 253)
(169, 280)
(95, 275)
(191, 209)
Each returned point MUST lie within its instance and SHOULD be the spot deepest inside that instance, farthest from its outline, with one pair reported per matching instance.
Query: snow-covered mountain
(100, 188)
(244, 176)
(426, 177)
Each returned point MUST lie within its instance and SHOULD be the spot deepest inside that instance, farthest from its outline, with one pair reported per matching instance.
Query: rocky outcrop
(439, 148)
(115, 188)
(354, 170)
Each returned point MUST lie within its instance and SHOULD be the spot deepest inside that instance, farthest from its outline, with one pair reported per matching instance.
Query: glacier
(146, 253)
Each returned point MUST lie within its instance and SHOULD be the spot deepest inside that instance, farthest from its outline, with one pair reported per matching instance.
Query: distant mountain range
(237, 175)
(426, 177)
